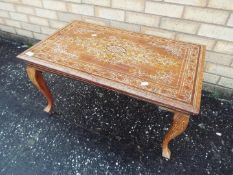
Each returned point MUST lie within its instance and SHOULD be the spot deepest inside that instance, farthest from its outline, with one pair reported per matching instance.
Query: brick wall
(208, 22)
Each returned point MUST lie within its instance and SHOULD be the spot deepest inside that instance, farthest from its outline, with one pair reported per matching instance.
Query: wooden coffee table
(161, 71)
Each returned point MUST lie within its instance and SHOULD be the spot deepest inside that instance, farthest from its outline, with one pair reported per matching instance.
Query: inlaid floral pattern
(168, 66)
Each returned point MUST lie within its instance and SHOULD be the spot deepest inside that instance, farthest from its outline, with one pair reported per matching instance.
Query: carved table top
(162, 71)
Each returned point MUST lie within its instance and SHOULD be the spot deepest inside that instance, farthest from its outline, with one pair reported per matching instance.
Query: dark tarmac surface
(97, 131)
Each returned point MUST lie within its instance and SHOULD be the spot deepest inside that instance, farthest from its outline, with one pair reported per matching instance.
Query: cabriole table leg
(37, 79)
(179, 124)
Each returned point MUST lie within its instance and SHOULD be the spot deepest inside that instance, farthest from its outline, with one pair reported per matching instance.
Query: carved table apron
(161, 71)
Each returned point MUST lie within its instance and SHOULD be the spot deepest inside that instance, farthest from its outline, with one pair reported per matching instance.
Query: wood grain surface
(165, 72)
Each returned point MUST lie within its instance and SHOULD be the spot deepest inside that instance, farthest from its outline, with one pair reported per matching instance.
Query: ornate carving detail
(169, 47)
(62, 49)
(116, 49)
(169, 66)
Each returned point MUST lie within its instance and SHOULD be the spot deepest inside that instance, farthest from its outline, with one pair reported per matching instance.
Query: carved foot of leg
(180, 123)
(37, 79)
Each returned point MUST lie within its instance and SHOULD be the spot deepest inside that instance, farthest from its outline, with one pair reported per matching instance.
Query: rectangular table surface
(162, 71)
